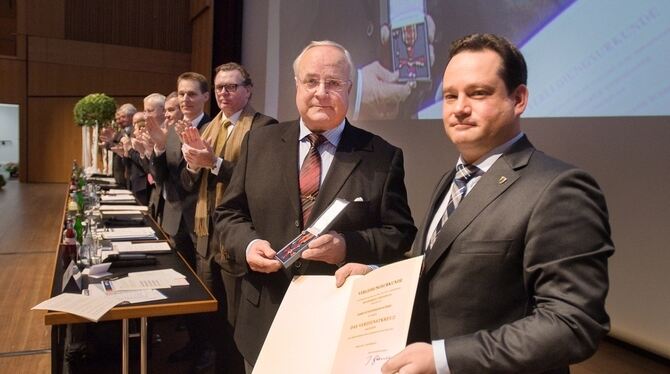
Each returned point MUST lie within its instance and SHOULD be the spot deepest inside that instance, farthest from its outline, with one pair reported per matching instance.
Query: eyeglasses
(329, 84)
(230, 88)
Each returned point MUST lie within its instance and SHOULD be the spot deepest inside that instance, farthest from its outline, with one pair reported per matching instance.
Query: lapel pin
(502, 179)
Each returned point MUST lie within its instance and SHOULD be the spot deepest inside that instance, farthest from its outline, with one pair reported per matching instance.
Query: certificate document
(352, 329)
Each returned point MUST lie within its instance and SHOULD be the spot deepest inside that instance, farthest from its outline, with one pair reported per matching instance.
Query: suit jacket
(191, 182)
(118, 165)
(155, 199)
(262, 202)
(517, 278)
(138, 168)
(167, 168)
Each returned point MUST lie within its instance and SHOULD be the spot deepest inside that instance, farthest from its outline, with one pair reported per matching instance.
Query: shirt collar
(485, 162)
(333, 135)
(197, 120)
(234, 118)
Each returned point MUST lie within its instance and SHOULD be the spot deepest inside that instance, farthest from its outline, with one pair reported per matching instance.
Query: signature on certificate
(375, 359)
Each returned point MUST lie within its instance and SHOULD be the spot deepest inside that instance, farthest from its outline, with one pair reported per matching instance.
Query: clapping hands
(197, 152)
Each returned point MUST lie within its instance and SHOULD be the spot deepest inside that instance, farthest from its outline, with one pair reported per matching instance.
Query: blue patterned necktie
(464, 173)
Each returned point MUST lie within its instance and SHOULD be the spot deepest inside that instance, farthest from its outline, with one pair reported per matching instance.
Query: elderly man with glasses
(289, 173)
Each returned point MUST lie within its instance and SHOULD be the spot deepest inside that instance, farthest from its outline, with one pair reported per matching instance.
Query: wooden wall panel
(72, 52)
(131, 23)
(13, 78)
(21, 48)
(68, 52)
(197, 7)
(45, 79)
(21, 17)
(55, 80)
(74, 68)
(135, 83)
(39, 48)
(21, 54)
(53, 139)
(13, 91)
(202, 20)
(8, 27)
(44, 18)
(50, 72)
(141, 59)
(176, 36)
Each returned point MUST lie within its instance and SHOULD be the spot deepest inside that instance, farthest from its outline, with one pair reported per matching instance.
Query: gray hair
(327, 43)
(127, 109)
(155, 98)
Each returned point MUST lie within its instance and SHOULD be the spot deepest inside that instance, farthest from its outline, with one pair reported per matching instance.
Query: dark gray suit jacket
(517, 278)
(138, 169)
(118, 164)
(262, 202)
(167, 168)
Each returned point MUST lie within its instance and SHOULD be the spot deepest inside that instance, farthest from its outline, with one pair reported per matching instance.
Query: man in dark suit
(167, 164)
(110, 138)
(137, 164)
(515, 242)
(265, 207)
(210, 161)
(154, 111)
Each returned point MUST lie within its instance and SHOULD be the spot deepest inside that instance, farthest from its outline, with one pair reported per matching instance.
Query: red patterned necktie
(310, 176)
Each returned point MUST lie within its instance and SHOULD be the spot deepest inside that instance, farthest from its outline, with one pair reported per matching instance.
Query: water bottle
(86, 246)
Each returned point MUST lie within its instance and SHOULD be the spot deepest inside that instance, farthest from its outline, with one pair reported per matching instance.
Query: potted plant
(12, 168)
(91, 112)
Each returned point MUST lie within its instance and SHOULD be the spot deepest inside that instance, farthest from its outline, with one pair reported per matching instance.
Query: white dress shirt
(326, 149)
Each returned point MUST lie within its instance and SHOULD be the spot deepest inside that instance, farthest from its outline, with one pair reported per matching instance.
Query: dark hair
(513, 70)
(193, 76)
(231, 66)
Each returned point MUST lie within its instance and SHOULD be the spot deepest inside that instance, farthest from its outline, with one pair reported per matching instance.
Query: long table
(194, 298)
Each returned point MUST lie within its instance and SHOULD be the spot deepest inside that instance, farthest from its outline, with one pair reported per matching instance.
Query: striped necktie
(464, 173)
(310, 176)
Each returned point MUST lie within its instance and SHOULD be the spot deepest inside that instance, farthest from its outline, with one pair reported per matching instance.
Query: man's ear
(520, 96)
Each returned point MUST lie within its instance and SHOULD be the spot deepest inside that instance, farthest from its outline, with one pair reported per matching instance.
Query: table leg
(124, 346)
(143, 349)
